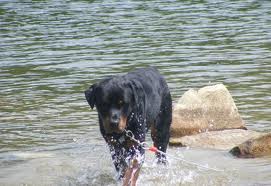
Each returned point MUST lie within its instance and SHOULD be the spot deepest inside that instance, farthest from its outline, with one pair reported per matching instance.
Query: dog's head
(115, 100)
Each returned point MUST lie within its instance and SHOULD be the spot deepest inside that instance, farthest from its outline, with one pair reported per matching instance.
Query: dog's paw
(161, 159)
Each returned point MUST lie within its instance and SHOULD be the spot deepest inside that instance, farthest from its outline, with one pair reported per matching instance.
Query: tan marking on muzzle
(122, 123)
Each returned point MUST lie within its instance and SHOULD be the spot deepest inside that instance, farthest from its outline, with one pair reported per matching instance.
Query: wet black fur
(144, 98)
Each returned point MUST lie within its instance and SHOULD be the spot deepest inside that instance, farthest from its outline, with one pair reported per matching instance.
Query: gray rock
(253, 148)
(208, 109)
(222, 140)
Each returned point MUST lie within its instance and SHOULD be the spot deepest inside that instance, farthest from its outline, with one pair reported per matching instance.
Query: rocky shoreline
(209, 118)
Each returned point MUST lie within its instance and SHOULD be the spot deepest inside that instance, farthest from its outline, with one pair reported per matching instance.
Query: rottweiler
(134, 102)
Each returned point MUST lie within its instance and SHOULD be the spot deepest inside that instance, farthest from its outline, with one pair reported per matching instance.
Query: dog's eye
(121, 102)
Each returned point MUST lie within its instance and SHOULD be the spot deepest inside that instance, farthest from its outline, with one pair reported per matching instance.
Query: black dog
(136, 101)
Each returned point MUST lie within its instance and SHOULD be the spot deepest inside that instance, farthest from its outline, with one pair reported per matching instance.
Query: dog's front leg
(134, 157)
(131, 174)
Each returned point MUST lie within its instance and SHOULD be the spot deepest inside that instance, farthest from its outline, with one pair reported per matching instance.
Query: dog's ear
(91, 95)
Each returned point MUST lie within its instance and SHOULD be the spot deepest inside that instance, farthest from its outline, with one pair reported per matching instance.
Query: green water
(51, 51)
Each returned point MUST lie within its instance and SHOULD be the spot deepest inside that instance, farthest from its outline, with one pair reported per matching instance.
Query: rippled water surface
(51, 51)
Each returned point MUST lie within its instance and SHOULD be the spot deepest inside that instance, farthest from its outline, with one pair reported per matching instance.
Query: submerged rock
(208, 109)
(253, 148)
(223, 140)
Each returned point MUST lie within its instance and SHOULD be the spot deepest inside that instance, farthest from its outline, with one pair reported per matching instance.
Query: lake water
(51, 51)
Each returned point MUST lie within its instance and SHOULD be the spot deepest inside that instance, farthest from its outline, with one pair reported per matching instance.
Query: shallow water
(51, 51)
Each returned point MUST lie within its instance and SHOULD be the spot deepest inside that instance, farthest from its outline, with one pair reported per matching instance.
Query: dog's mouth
(113, 130)
(117, 131)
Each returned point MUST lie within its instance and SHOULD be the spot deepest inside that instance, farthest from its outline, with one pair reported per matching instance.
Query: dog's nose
(115, 120)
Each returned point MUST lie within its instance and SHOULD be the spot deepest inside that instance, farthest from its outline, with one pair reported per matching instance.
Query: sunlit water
(51, 51)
